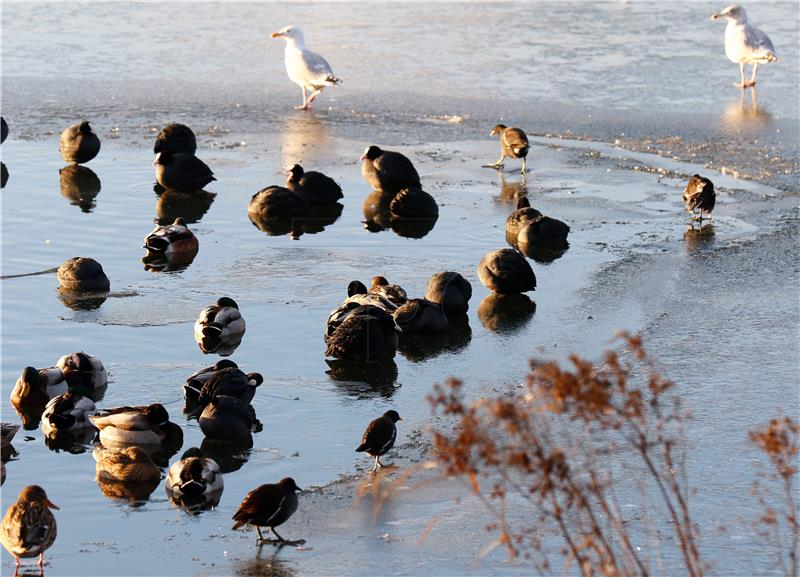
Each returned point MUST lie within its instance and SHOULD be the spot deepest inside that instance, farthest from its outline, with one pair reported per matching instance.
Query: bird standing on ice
(306, 68)
(745, 44)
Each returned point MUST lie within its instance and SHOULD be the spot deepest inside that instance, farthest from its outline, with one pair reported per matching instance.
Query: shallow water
(632, 264)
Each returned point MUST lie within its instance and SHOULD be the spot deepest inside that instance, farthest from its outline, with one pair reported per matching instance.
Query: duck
(175, 138)
(368, 333)
(231, 382)
(524, 214)
(78, 143)
(544, 230)
(69, 412)
(451, 291)
(379, 437)
(126, 465)
(83, 370)
(383, 288)
(505, 271)
(275, 202)
(170, 239)
(413, 203)
(388, 171)
(270, 506)
(137, 425)
(194, 475)
(182, 172)
(219, 327)
(357, 295)
(35, 387)
(420, 316)
(313, 187)
(699, 195)
(29, 527)
(82, 274)
(513, 144)
(227, 418)
(194, 382)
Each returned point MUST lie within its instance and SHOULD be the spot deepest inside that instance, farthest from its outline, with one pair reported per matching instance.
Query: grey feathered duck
(513, 144)
(78, 143)
(379, 437)
(699, 195)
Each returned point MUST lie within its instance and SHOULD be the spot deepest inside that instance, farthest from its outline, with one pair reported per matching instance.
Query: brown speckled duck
(451, 290)
(29, 527)
(79, 143)
(700, 196)
(506, 271)
(82, 274)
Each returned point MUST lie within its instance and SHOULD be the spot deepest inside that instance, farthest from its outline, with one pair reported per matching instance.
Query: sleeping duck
(368, 333)
(231, 382)
(194, 382)
(83, 370)
(139, 425)
(219, 327)
(314, 187)
(394, 293)
(357, 295)
(37, 386)
(170, 240)
(451, 290)
(420, 316)
(68, 412)
(128, 465)
(194, 475)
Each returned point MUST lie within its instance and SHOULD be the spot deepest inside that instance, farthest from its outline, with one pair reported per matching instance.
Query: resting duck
(420, 316)
(506, 271)
(357, 295)
(182, 171)
(194, 382)
(392, 292)
(368, 333)
(68, 412)
(128, 465)
(38, 386)
(545, 231)
(313, 187)
(138, 425)
(231, 382)
(78, 143)
(170, 239)
(520, 217)
(29, 528)
(194, 475)
(83, 370)
(175, 138)
(275, 202)
(269, 505)
(379, 437)
(451, 290)
(219, 327)
(388, 171)
(413, 203)
(699, 195)
(227, 419)
(82, 274)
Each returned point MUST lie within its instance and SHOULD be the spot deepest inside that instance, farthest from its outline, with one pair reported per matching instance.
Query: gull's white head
(733, 13)
(290, 33)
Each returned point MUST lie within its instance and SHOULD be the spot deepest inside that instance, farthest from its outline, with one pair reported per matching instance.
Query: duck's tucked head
(356, 287)
(227, 302)
(393, 415)
(379, 281)
(180, 222)
(85, 128)
(371, 153)
(193, 452)
(35, 494)
(288, 484)
(295, 173)
(157, 414)
(497, 129)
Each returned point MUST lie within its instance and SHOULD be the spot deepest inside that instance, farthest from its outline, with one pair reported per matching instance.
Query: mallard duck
(82, 274)
(78, 143)
(314, 187)
(170, 239)
(269, 505)
(506, 271)
(368, 333)
(388, 171)
(182, 171)
(175, 138)
(138, 425)
(194, 475)
(227, 419)
(219, 327)
(451, 290)
(83, 370)
(513, 144)
(520, 217)
(128, 465)
(545, 231)
(379, 437)
(275, 202)
(394, 293)
(357, 295)
(420, 316)
(68, 412)
(29, 528)
(37, 386)
(699, 195)
(195, 381)
(413, 204)
(231, 382)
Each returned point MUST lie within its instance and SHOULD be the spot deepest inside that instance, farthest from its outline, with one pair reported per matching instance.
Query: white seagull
(745, 44)
(306, 68)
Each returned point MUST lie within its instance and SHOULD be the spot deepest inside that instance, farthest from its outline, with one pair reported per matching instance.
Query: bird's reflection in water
(174, 262)
(80, 185)
(542, 252)
(378, 216)
(191, 206)
(136, 494)
(511, 191)
(313, 221)
(506, 313)
(3, 174)
(746, 113)
(363, 379)
(229, 455)
(265, 566)
(30, 415)
(70, 442)
(195, 504)
(698, 238)
(304, 140)
(81, 300)
(421, 347)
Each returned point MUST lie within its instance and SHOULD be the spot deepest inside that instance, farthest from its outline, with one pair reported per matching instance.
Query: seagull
(306, 68)
(745, 44)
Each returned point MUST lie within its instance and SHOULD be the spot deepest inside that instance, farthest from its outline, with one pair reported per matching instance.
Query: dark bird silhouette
(269, 506)
(379, 437)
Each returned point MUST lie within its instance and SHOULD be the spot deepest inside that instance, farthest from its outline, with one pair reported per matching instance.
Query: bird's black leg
(258, 530)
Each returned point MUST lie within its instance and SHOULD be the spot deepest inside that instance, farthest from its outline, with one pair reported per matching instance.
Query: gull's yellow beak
(276, 34)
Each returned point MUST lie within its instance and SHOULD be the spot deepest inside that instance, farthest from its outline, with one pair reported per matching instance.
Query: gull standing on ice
(306, 68)
(745, 44)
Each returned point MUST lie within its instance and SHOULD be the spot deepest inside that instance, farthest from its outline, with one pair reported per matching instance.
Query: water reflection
(542, 252)
(698, 238)
(195, 504)
(363, 379)
(418, 348)
(229, 455)
(3, 175)
(506, 313)
(313, 221)
(189, 206)
(512, 190)
(81, 300)
(173, 262)
(74, 442)
(135, 493)
(744, 113)
(304, 134)
(378, 216)
(30, 415)
(265, 567)
(80, 185)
